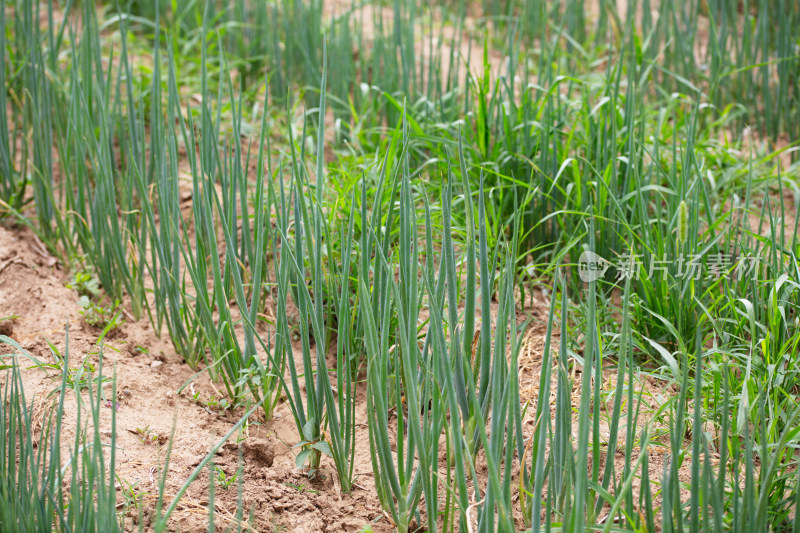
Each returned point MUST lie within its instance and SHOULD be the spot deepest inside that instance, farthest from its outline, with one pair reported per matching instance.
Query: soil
(148, 411)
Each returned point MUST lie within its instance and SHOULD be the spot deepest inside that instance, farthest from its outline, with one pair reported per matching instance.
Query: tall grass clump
(425, 373)
(217, 257)
(41, 490)
(726, 416)
(320, 289)
(30, 94)
(13, 158)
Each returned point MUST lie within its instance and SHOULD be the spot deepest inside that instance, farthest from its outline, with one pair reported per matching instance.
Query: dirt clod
(258, 451)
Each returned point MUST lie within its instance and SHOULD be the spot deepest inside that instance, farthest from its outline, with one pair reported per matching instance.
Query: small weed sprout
(96, 315)
(223, 479)
(308, 445)
(77, 378)
(220, 404)
(85, 284)
(244, 432)
(131, 497)
(301, 488)
(148, 436)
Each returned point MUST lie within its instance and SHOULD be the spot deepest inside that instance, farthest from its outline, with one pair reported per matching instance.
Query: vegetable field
(352, 266)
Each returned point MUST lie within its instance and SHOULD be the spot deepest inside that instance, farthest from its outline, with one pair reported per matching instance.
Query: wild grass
(41, 489)
(304, 222)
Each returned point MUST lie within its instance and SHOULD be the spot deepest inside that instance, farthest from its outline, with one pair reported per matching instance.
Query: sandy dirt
(148, 374)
